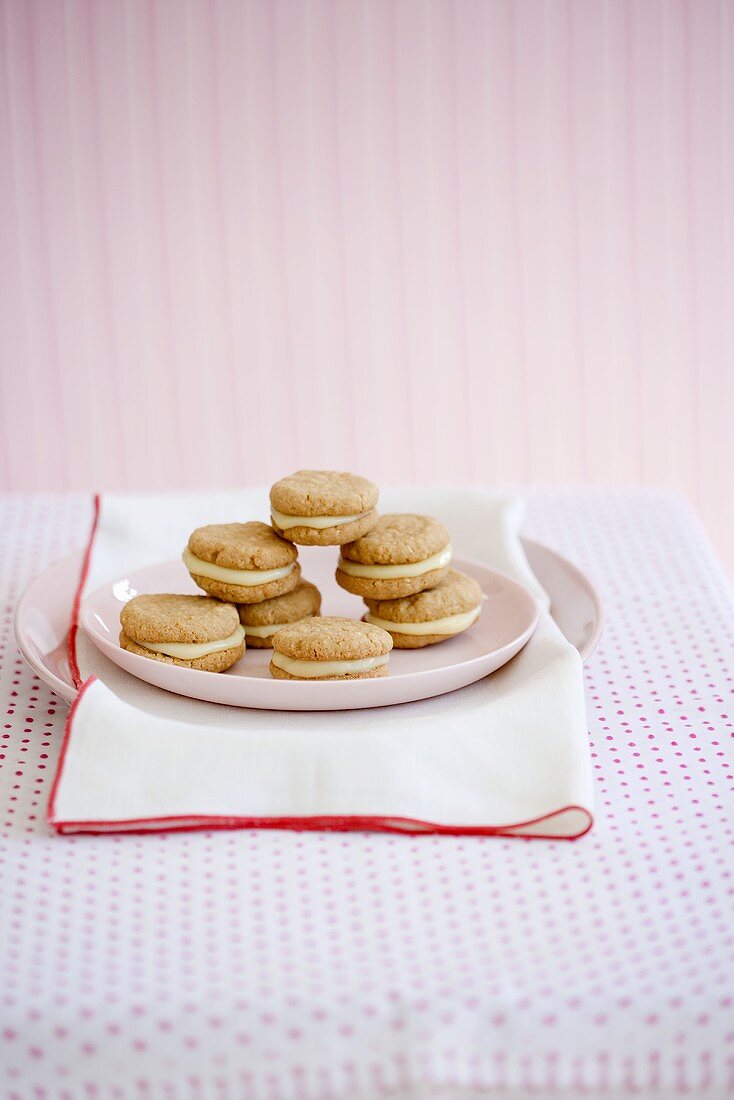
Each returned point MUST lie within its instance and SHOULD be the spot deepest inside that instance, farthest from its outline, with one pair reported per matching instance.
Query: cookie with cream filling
(330, 648)
(263, 620)
(242, 562)
(401, 555)
(431, 616)
(323, 507)
(190, 631)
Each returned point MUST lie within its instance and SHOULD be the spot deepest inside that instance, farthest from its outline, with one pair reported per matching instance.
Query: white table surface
(314, 965)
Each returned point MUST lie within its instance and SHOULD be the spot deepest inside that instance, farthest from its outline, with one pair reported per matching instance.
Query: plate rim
(584, 582)
(68, 692)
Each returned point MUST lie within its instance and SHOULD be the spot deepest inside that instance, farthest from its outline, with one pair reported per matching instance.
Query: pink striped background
(427, 239)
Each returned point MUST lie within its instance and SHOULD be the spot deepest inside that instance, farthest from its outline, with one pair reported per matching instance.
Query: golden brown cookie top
(305, 599)
(250, 545)
(172, 618)
(453, 595)
(323, 493)
(332, 639)
(398, 539)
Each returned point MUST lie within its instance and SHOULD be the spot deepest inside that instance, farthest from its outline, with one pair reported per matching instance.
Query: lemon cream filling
(312, 669)
(189, 651)
(318, 523)
(264, 631)
(390, 572)
(451, 624)
(245, 577)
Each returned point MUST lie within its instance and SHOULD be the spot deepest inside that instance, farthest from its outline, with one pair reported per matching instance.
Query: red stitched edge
(196, 822)
(84, 572)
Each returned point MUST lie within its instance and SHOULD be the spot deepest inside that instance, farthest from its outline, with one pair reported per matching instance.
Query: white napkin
(507, 755)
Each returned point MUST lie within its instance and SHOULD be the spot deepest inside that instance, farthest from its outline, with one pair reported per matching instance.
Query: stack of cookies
(256, 597)
(401, 570)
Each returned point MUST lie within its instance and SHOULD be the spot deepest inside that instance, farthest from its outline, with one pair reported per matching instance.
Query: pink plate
(507, 622)
(43, 614)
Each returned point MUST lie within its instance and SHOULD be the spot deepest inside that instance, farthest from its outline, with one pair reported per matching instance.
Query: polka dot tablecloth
(281, 965)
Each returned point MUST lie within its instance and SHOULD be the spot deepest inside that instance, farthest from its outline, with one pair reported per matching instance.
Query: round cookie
(242, 562)
(330, 649)
(438, 613)
(336, 507)
(271, 615)
(401, 555)
(170, 623)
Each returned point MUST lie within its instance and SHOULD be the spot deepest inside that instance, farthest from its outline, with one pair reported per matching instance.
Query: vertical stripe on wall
(429, 239)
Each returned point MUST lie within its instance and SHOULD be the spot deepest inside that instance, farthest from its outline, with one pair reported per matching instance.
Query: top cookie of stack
(323, 507)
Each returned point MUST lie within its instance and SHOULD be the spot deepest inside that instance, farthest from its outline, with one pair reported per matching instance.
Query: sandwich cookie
(242, 562)
(323, 507)
(191, 631)
(401, 555)
(432, 616)
(262, 620)
(330, 649)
